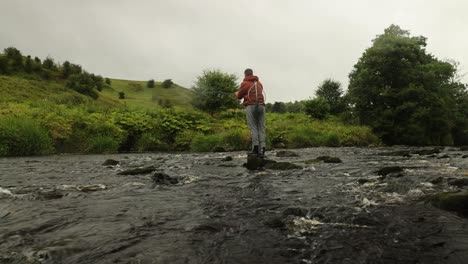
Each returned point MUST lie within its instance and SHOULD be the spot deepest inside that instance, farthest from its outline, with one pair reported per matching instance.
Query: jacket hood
(251, 78)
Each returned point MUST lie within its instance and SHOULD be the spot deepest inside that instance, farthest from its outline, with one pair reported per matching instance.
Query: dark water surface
(72, 209)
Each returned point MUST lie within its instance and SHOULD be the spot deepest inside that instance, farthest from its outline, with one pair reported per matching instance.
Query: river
(73, 209)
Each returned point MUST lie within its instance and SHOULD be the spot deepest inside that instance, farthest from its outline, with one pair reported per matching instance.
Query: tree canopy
(214, 91)
(406, 94)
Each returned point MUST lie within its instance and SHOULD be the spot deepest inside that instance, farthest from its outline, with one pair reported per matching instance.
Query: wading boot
(254, 151)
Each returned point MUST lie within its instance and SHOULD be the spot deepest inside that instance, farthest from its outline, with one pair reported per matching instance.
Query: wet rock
(50, 195)
(464, 148)
(295, 211)
(286, 153)
(465, 156)
(444, 157)
(211, 227)
(138, 171)
(227, 158)
(218, 149)
(396, 170)
(111, 162)
(255, 162)
(162, 178)
(328, 159)
(275, 223)
(436, 180)
(363, 181)
(427, 151)
(281, 166)
(455, 202)
(460, 183)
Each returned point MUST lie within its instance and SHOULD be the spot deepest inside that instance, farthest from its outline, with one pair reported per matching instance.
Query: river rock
(255, 162)
(295, 211)
(110, 162)
(455, 202)
(328, 159)
(227, 158)
(311, 161)
(464, 148)
(465, 156)
(458, 182)
(390, 170)
(276, 222)
(49, 195)
(286, 153)
(162, 178)
(444, 157)
(427, 151)
(138, 171)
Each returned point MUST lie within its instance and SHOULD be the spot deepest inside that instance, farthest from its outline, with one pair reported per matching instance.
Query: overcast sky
(291, 45)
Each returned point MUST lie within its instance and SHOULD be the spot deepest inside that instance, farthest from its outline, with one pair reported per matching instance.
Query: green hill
(139, 96)
(17, 88)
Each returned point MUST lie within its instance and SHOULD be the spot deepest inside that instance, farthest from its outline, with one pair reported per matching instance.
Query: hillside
(17, 88)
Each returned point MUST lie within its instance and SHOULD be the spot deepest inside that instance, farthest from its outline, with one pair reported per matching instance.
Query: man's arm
(242, 91)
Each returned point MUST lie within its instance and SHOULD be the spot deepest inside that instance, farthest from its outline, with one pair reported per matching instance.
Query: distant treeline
(12, 61)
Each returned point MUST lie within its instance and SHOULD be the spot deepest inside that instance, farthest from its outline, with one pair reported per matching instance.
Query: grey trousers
(256, 121)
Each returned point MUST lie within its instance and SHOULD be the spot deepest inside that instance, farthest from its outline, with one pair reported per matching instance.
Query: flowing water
(72, 209)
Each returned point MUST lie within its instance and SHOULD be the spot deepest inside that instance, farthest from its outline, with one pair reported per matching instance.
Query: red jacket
(248, 93)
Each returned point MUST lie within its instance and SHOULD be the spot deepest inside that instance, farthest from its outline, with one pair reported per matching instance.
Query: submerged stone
(255, 162)
(162, 178)
(455, 202)
(390, 170)
(328, 159)
(138, 171)
(427, 151)
(50, 195)
(286, 153)
(464, 148)
(110, 162)
(227, 158)
(276, 222)
(458, 182)
(311, 161)
(295, 211)
(465, 156)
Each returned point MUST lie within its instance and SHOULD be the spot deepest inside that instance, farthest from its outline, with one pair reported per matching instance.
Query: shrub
(150, 84)
(150, 142)
(22, 137)
(206, 143)
(102, 144)
(167, 83)
(121, 95)
(317, 108)
(237, 139)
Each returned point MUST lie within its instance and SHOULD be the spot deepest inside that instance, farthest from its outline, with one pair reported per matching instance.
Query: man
(251, 90)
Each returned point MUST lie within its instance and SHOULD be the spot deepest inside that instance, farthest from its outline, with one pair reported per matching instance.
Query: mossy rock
(328, 159)
(138, 171)
(455, 202)
(110, 162)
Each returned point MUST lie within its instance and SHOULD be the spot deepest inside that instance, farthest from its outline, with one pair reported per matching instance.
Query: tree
(278, 107)
(214, 91)
(167, 83)
(28, 64)
(4, 69)
(83, 83)
(405, 94)
(108, 81)
(121, 95)
(66, 69)
(15, 58)
(150, 84)
(317, 108)
(48, 63)
(98, 81)
(331, 91)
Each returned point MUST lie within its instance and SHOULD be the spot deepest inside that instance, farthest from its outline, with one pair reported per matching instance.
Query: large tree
(214, 91)
(406, 94)
(331, 91)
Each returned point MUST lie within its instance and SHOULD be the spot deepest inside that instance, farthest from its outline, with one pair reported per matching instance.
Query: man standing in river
(251, 90)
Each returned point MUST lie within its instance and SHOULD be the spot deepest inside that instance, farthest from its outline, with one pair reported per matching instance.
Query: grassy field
(137, 95)
(19, 89)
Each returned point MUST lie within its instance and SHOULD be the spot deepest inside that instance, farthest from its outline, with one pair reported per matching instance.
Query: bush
(150, 142)
(167, 83)
(237, 139)
(121, 95)
(150, 84)
(108, 81)
(206, 143)
(102, 144)
(317, 108)
(22, 137)
(83, 83)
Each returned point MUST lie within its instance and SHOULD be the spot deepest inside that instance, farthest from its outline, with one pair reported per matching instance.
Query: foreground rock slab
(455, 202)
